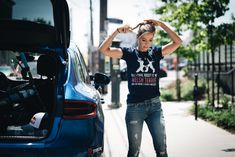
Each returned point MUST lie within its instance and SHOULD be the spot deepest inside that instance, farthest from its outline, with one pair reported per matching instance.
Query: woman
(143, 102)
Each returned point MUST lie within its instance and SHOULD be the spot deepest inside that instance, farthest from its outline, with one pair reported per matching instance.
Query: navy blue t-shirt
(142, 73)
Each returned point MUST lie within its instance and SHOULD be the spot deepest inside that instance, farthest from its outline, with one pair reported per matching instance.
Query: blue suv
(49, 104)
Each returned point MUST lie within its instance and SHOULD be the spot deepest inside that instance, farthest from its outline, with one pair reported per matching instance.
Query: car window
(84, 68)
(37, 11)
(77, 66)
(80, 67)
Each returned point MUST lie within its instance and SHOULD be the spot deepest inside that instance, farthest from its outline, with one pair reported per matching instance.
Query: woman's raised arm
(105, 46)
(176, 40)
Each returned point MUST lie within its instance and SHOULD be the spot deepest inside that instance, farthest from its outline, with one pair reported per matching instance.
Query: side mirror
(100, 79)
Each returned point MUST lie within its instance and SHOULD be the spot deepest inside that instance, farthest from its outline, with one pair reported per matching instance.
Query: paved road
(185, 136)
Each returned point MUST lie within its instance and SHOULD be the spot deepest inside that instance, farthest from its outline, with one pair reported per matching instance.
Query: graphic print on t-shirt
(150, 65)
(143, 67)
(145, 74)
(142, 72)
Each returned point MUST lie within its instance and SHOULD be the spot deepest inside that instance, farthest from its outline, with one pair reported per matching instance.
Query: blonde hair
(144, 27)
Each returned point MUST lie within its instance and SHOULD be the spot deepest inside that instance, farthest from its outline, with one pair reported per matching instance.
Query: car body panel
(74, 88)
(65, 135)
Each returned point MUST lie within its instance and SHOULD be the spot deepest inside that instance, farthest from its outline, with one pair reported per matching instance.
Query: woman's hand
(124, 29)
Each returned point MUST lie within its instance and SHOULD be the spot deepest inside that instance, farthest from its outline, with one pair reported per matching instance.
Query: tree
(38, 20)
(195, 15)
(42, 21)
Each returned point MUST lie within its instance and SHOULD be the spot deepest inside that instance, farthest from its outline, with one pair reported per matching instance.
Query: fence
(218, 68)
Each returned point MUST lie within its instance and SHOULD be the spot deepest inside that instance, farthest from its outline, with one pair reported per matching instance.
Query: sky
(130, 11)
(227, 17)
(42, 9)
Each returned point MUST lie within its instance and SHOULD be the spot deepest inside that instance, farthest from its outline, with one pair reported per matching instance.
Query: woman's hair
(144, 27)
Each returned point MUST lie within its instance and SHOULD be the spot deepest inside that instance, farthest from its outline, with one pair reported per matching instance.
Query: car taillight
(79, 109)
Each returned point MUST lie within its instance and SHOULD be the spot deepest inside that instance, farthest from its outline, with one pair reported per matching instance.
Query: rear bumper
(46, 152)
(73, 138)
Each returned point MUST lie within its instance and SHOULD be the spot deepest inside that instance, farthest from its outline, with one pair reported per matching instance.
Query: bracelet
(118, 31)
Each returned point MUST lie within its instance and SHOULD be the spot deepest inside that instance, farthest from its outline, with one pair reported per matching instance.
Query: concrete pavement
(185, 136)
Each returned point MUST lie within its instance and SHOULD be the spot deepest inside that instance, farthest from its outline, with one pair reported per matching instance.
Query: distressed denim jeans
(149, 111)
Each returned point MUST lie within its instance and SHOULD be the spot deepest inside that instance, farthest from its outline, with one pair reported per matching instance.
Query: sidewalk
(185, 136)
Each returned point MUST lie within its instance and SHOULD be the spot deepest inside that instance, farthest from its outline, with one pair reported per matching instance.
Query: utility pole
(91, 40)
(91, 26)
(103, 30)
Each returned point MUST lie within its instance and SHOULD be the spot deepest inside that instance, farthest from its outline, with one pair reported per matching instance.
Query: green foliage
(167, 95)
(186, 90)
(224, 99)
(225, 102)
(224, 33)
(184, 51)
(197, 16)
(223, 117)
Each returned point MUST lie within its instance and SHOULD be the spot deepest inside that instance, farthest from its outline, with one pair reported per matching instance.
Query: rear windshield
(40, 11)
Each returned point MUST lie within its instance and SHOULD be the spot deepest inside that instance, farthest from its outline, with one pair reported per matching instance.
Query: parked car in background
(183, 62)
(51, 109)
(163, 68)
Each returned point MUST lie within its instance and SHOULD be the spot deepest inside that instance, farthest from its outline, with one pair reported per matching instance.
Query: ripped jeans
(149, 111)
